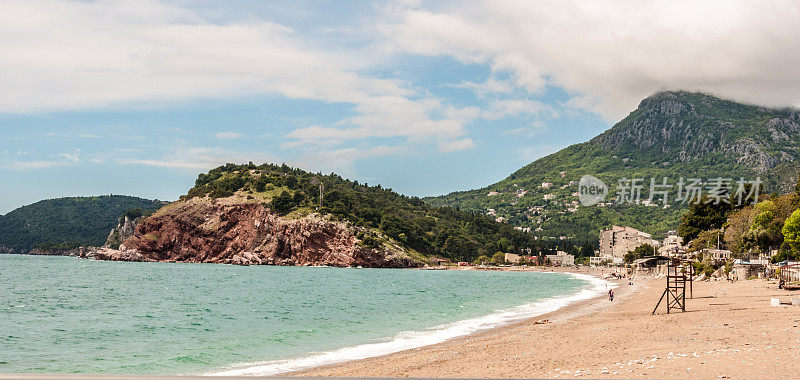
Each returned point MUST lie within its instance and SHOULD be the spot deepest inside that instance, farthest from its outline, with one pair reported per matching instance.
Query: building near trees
(561, 258)
(616, 241)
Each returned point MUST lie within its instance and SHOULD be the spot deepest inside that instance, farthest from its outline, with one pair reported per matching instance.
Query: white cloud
(456, 145)
(388, 116)
(200, 158)
(73, 156)
(228, 135)
(342, 160)
(608, 57)
(32, 165)
(500, 109)
(148, 53)
(65, 158)
(535, 128)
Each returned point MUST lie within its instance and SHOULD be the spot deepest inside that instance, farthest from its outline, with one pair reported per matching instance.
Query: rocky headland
(235, 231)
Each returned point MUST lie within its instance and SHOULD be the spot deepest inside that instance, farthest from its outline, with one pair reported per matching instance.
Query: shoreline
(729, 330)
(414, 340)
(560, 315)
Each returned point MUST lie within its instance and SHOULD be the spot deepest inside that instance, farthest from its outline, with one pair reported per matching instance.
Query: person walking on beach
(611, 294)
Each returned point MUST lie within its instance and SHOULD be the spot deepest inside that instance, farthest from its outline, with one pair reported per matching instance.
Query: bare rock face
(125, 229)
(204, 231)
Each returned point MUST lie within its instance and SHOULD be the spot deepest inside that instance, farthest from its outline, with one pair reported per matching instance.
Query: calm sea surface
(67, 315)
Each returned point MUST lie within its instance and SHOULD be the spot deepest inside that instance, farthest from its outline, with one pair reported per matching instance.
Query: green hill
(379, 213)
(671, 134)
(73, 220)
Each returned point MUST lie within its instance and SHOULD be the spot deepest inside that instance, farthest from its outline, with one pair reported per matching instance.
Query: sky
(426, 98)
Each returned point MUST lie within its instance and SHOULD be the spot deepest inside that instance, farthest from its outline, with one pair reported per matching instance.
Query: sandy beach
(729, 330)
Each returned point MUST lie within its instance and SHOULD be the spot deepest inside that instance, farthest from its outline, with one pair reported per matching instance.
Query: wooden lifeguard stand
(678, 274)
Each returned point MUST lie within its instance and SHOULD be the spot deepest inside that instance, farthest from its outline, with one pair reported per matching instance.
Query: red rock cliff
(200, 230)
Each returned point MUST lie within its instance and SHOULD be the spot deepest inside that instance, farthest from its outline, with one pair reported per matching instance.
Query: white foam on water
(414, 339)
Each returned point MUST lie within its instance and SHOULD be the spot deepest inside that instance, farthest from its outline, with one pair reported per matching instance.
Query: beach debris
(541, 322)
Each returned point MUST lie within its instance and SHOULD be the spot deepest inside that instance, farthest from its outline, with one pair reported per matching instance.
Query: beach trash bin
(775, 302)
(795, 301)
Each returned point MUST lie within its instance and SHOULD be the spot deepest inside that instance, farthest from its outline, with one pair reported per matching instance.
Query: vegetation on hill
(67, 222)
(672, 135)
(771, 225)
(436, 231)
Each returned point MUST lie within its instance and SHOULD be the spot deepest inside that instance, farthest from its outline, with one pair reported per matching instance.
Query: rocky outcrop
(125, 229)
(684, 127)
(202, 230)
(7, 250)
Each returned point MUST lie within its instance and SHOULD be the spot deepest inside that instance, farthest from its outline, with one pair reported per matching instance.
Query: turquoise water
(67, 315)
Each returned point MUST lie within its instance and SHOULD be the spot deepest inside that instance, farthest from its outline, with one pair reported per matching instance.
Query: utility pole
(321, 194)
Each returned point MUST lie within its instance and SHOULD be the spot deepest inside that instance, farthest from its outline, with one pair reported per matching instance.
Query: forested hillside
(67, 221)
(671, 134)
(439, 231)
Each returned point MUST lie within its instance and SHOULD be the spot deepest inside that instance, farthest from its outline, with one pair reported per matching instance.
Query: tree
(638, 252)
(483, 259)
(298, 198)
(499, 258)
(290, 182)
(791, 231)
(283, 203)
(703, 216)
(765, 230)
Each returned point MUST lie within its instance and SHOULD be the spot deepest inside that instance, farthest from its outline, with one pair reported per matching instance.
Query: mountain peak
(671, 134)
(682, 126)
(670, 103)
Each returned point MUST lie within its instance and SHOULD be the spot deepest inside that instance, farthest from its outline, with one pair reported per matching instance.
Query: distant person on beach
(610, 294)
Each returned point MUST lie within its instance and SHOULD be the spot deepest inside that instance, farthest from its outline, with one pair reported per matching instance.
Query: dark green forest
(67, 222)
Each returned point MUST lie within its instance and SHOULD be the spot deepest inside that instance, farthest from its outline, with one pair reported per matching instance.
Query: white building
(716, 254)
(562, 258)
(616, 241)
(513, 258)
(672, 246)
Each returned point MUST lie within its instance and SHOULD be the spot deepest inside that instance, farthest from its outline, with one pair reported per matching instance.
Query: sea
(70, 315)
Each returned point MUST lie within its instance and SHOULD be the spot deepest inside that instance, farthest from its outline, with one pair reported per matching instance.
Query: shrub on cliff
(283, 203)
